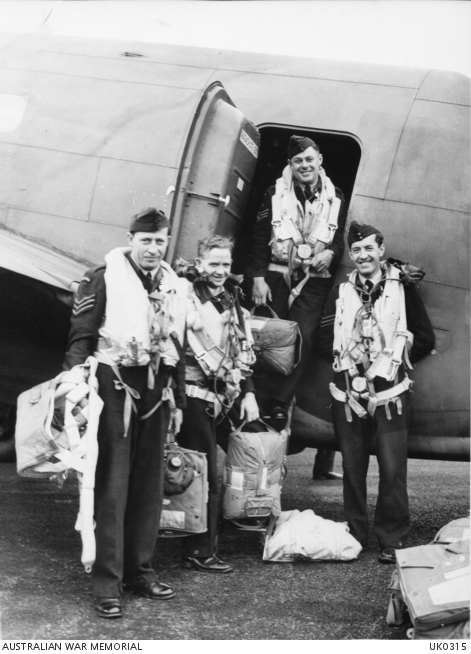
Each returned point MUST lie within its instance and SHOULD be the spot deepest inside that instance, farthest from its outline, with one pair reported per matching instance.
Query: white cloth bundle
(305, 535)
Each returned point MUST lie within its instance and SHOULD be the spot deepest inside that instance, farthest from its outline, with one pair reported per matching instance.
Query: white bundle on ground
(305, 535)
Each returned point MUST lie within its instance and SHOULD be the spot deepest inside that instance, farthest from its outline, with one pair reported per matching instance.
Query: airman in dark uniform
(122, 316)
(381, 328)
(297, 244)
(215, 378)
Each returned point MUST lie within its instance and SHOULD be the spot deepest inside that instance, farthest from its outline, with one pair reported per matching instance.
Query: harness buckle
(191, 390)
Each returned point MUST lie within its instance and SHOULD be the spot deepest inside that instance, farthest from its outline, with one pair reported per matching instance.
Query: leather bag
(277, 343)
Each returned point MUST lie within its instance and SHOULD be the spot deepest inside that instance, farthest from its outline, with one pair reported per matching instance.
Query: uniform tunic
(128, 479)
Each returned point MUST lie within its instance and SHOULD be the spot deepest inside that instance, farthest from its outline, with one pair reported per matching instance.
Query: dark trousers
(324, 462)
(306, 310)
(128, 482)
(391, 520)
(198, 432)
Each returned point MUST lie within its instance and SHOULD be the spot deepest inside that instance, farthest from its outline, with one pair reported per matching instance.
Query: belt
(383, 398)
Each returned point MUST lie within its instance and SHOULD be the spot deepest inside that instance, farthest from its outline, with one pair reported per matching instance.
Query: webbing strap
(297, 290)
(383, 398)
(131, 394)
(202, 394)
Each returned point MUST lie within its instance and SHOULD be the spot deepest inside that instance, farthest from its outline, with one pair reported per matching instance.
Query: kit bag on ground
(303, 535)
(431, 586)
(253, 472)
(277, 343)
(184, 507)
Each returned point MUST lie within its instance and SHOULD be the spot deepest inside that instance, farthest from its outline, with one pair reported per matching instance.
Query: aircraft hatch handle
(217, 199)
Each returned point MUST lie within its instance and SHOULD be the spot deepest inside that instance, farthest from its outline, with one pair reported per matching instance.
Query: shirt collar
(204, 294)
(314, 189)
(375, 279)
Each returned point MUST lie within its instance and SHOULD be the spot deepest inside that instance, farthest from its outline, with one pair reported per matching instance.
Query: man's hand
(63, 389)
(260, 291)
(249, 408)
(322, 261)
(176, 419)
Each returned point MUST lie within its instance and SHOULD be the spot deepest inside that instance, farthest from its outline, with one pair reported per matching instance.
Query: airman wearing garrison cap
(149, 220)
(297, 243)
(130, 314)
(375, 341)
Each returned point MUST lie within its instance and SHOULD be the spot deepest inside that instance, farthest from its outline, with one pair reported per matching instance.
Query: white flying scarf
(137, 326)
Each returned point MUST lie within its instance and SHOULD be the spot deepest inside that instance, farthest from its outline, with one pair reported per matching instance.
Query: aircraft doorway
(341, 159)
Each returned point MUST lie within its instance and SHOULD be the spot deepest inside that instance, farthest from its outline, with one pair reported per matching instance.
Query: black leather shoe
(211, 564)
(327, 476)
(109, 607)
(151, 589)
(279, 412)
(387, 555)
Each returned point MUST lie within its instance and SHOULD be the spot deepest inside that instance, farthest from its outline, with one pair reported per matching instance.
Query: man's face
(148, 248)
(215, 266)
(305, 166)
(366, 256)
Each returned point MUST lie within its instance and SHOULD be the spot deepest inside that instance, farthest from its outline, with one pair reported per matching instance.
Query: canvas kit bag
(277, 343)
(184, 505)
(253, 473)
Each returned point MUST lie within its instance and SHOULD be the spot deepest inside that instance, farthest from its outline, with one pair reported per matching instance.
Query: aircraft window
(12, 109)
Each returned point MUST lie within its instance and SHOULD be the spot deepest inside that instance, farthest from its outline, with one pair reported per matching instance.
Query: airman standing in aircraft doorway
(381, 327)
(130, 314)
(219, 357)
(297, 244)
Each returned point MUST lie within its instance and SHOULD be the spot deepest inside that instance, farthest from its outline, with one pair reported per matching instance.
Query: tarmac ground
(45, 593)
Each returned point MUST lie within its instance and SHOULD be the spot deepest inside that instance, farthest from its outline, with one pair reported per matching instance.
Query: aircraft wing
(33, 260)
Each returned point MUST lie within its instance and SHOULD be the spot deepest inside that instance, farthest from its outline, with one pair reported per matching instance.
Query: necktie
(368, 287)
(148, 282)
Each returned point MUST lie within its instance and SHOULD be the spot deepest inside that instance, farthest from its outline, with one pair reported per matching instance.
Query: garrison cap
(149, 220)
(298, 144)
(358, 232)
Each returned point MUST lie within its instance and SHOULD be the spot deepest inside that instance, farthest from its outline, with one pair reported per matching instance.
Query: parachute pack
(56, 431)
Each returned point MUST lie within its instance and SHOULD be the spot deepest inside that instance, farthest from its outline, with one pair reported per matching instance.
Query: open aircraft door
(215, 174)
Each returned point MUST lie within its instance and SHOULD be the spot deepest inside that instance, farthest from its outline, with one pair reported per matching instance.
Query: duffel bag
(277, 343)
